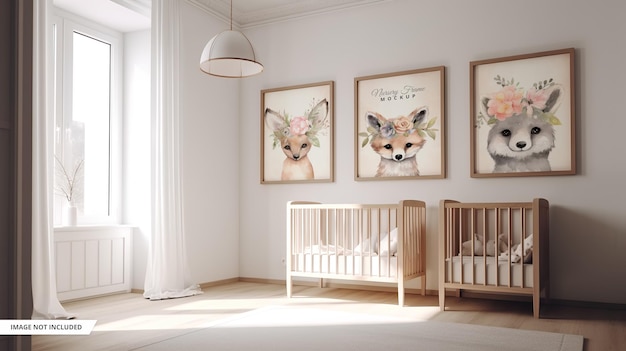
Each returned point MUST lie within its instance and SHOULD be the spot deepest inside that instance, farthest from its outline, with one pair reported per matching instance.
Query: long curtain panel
(167, 274)
(46, 305)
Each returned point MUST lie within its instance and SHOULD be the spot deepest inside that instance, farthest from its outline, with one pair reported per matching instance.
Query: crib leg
(401, 293)
(322, 283)
(536, 302)
(442, 299)
(424, 285)
(289, 286)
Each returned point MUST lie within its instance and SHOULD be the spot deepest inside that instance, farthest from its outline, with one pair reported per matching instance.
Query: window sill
(81, 228)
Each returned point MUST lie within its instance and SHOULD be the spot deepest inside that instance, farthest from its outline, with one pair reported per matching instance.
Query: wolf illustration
(296, 136)
(523, 141)
(397, 141)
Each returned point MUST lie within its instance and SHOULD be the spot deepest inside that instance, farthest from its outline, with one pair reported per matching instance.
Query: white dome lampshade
(229, 54)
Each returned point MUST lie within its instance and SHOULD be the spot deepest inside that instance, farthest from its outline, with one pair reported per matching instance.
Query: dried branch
(67, 183)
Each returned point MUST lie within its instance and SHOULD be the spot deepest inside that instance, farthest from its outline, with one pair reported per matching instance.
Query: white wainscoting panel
(92, 260)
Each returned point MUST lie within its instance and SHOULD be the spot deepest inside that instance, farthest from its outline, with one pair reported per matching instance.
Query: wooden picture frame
(297, 134)
(400, 125)
(523, 115)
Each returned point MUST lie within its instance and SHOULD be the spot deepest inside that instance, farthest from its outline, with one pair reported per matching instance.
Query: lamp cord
(231, 14)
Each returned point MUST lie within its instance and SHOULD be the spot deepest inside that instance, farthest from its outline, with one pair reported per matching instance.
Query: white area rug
(306, 328)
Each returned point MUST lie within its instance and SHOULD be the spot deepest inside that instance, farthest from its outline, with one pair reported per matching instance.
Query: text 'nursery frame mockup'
(297, 134)
(400, 125)
(523, 115)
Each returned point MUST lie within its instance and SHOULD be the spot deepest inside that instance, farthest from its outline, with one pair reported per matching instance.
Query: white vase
(69, 215)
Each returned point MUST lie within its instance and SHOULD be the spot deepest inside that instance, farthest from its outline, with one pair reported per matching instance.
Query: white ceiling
(248, 13)
(133, 15)
(121, 15)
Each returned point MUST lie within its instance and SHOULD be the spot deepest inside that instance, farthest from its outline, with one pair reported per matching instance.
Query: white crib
(363, 242)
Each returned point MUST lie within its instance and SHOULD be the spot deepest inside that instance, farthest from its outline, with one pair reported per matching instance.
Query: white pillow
(386, 248)
(368, 246)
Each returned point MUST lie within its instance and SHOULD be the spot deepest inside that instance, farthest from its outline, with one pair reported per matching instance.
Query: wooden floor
(128, 321)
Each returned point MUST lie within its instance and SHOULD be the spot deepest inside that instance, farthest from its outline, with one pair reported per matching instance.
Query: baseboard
(588, 304)
(218, 282)
(528, 298)
(262, 281)
(95, 296)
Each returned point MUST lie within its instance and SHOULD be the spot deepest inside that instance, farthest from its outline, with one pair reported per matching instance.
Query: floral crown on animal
(536, 102)
(314, 122)
(401, 126)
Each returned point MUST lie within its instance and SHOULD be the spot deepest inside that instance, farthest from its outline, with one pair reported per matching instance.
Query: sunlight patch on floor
(281, 315)
(159, 322)
(289, 316)
(248, 304)
(222, 304)
(320, 311)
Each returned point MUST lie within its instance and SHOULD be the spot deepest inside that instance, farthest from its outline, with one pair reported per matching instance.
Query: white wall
(209, 115)
(588, 222)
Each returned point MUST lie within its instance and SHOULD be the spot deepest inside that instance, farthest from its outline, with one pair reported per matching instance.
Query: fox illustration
(397, 141)
(523, 141)
(296, 136)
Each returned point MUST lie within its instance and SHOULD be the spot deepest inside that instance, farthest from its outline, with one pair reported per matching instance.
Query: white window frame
(66, 24)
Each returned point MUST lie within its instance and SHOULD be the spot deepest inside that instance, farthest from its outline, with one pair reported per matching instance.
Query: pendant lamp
(230, 54)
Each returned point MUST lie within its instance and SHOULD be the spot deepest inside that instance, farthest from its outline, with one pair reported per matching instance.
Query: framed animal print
(400, 123)
(522, 115)
(297, 134)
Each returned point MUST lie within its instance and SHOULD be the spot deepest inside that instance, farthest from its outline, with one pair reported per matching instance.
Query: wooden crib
(495, 248)
(362, 242)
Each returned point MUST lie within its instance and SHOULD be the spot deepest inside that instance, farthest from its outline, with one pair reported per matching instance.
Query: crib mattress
(357, 265)
(497, 272)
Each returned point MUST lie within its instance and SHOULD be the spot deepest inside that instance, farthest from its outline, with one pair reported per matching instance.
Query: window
(87, 84)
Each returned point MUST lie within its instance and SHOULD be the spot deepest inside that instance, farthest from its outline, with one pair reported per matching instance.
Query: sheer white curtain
(167, 274)
(46, 305)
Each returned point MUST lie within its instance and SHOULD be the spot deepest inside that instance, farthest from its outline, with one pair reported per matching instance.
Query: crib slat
(449, 238)
(462, 229)
(522, 219)
(485, 241)
(510, 229)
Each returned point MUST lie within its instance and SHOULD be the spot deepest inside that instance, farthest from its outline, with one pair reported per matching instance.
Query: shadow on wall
(586, 258)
